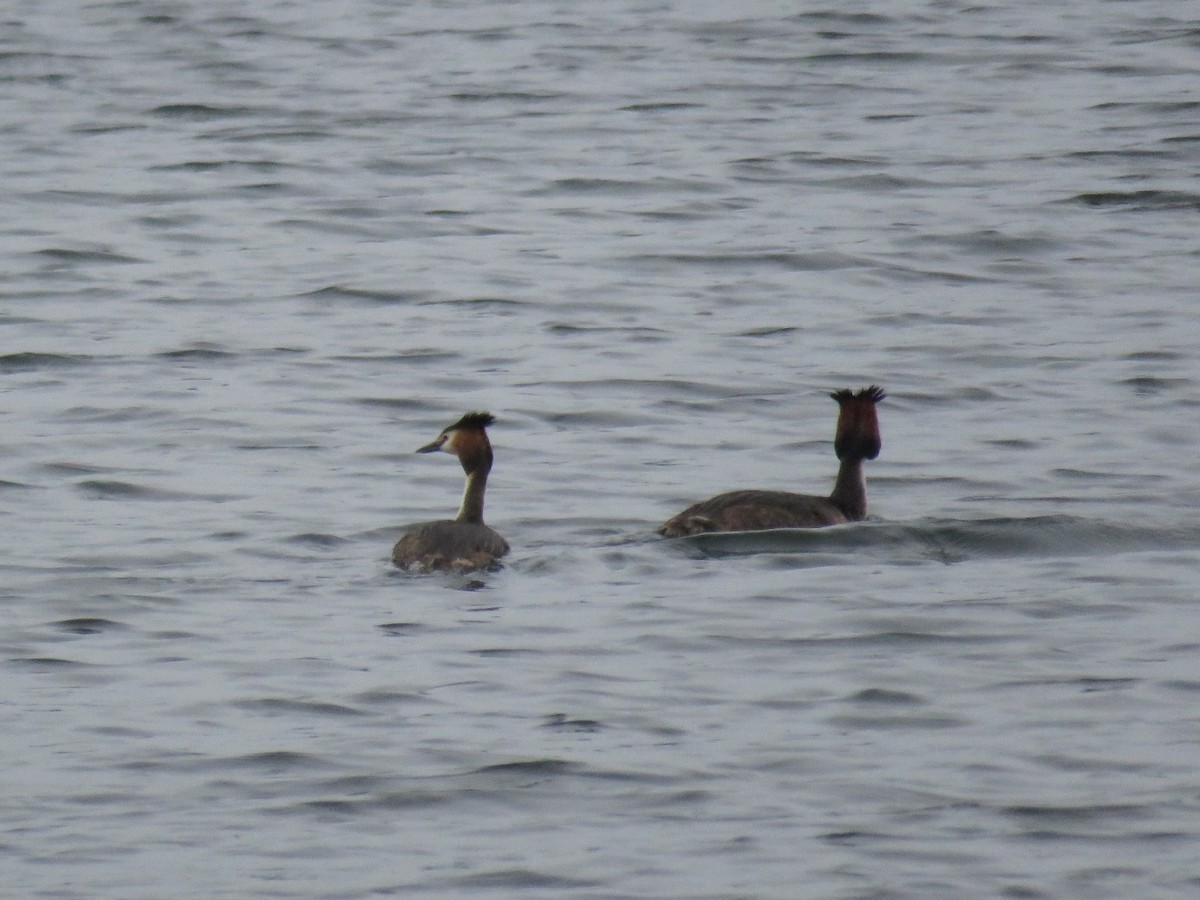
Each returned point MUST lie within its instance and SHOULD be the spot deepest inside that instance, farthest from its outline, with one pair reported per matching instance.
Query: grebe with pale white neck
(857, 439)
(465, 543)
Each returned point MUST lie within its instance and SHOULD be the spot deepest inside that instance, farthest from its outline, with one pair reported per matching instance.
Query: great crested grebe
(857, 439)
(464, 543)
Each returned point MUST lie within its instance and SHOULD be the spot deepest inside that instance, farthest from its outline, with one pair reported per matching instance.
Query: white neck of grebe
(472, 501)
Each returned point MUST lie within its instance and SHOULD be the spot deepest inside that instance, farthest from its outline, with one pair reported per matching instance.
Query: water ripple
(949, 541)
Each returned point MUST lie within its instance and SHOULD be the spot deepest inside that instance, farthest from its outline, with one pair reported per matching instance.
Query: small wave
(875, 181)
(47, 663)
(875, 20)
(199, 353)
(1155, 355)
(202, 111)
(33, 362)
(598, 419)
(769, 331)
(562, 722)
(621, 187)
(892, 641)
(823, 261)
(629, 332)
(1147, 385)
(1156, 106)
(537, 767)
(86, 626)
(481, 302)
(1051, 536)
(896, 723)
(64, 255)
(123, 490)
(1140, 201)
(253, 165)
(315, 539)
(287, 706)
(73, 468)
(418, 356)
(661, 106)
(272, 762)
(947, 541)
(664, 387)
(405, 404)
(885, 696)
(1075, 815)
(387, 699)
(337, 292)
(874, 56)
(991, 243)
(509, 96)
(519, 879)
(106, 414)
(116, 489)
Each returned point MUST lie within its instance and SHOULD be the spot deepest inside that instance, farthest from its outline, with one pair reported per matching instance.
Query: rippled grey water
(256, 255)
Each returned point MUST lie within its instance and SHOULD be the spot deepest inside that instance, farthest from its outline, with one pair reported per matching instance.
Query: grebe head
(858, 425)
(467, 440)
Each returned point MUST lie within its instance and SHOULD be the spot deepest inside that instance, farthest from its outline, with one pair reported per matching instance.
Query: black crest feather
(874, 393)
(473, 420)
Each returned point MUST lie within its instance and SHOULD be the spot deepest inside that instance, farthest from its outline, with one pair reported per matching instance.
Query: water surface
(257, 256)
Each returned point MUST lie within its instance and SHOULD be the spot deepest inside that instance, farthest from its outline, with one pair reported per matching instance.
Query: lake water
(256, 255)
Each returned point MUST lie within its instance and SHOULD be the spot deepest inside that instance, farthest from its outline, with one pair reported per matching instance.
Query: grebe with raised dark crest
(857, 439)
(464, 543)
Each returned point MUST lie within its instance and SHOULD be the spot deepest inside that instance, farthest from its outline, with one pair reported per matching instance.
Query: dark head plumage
(857, 433)
(474, 420)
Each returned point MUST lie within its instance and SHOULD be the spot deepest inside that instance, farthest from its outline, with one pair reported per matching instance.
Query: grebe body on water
(462, 544)
(857, 439)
